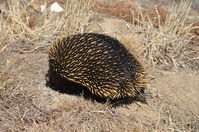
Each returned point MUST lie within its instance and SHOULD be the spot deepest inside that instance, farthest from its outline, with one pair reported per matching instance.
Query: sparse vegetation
(168, 44)
(162, 38)
(166, 36)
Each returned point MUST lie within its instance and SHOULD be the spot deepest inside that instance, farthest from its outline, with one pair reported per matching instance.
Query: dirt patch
(27, 104)
(183, 85)
(131, 12)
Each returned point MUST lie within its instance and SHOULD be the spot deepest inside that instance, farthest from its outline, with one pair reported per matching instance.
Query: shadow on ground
(71, 88)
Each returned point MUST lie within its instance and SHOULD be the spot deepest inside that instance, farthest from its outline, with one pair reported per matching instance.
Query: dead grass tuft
(166, 38)
(167, 46)
(132, 13)
(174, 116)
(21, 22)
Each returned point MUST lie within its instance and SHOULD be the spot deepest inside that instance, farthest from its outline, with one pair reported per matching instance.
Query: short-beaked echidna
(100, 63)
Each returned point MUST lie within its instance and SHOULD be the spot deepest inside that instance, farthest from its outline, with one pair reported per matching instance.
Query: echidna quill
(100, 63)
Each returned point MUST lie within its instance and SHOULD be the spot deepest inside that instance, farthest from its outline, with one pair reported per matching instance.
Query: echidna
(100, 63)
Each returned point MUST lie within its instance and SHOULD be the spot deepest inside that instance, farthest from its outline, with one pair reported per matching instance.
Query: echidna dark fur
(100, 63)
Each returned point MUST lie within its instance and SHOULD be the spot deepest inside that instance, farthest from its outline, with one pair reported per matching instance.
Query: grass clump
(167, 38)
(167, 45)
(21, 22)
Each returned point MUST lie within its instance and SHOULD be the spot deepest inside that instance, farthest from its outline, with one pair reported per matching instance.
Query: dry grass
(167, 45)
(132, 13)
(26, 104)
(166, 37)
(24, 29)
(21, 22)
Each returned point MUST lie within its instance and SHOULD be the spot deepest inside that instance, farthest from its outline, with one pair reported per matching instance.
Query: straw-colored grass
(167, 44)
(21, 22)
(166, 36)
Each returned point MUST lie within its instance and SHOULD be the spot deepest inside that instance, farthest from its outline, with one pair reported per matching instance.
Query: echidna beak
(47, 77)
(141, 98)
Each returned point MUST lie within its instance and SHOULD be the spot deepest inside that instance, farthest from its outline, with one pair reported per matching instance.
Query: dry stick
(32, 50)
(100, 26)
(129, 27)
(196, 58)
(4, 47)
(159, 116)
(6, 36)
